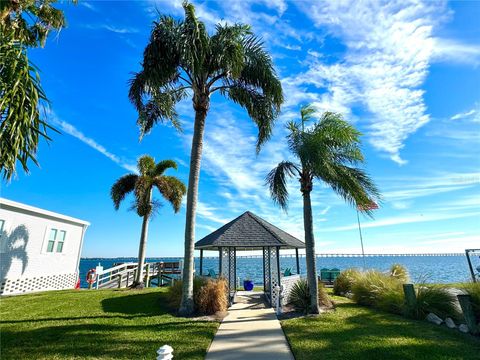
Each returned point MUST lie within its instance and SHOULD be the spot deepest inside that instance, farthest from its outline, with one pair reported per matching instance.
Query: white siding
(23, 251)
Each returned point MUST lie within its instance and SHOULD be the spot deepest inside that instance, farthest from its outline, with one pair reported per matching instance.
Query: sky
(405, 73)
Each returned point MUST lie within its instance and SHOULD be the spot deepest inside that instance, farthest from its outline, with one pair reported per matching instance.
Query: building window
(61, 239)
(56, 237)
(51, 240)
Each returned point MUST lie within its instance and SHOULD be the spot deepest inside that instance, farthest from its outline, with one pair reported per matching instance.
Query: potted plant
(248, 284)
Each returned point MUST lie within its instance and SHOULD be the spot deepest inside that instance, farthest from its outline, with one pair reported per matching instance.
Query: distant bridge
(349, 255)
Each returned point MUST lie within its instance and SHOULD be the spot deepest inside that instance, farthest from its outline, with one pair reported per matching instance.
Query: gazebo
(250, 232)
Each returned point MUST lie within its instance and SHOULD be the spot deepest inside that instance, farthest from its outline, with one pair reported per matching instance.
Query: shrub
(323, 298)
(473, 289)
(299, 296)
(435, 299)
(343, 283)
(376, 289)
(212, 297)
(175, 291)
(399, 272)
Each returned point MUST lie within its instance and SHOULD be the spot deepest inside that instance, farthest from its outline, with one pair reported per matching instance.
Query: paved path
(250, 331)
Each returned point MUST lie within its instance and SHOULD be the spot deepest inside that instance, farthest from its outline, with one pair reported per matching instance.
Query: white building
(39, 249)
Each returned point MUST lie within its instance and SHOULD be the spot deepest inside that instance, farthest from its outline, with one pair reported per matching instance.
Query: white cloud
(455, 52)
(113, 28)
(73, 131)
(389, 47)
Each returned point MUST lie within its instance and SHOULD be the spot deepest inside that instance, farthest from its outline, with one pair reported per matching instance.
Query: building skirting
(25, 285)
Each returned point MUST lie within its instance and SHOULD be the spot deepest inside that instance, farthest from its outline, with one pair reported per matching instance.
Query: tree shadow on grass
(151, 303)
(106, 341)
(373, 335)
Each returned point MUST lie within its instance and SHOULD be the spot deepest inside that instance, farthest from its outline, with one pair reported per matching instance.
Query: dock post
(119, 279)
(147, 275)
(410, 297)
(467, 309)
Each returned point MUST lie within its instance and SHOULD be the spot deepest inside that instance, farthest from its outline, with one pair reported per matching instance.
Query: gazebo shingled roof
(249, 232)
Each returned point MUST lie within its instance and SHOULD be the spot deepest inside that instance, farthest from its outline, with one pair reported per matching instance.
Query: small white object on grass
(165, 353)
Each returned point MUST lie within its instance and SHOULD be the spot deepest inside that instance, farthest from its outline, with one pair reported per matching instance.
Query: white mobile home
(39, 250)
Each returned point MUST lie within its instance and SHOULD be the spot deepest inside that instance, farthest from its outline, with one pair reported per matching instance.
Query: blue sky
(405, 73)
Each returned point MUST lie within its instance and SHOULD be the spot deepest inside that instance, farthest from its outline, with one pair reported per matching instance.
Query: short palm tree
(150, 175)
(183, 59)
(327, 151)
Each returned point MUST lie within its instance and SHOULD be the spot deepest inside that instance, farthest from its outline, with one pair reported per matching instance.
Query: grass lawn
(100, 324)
(356, 332)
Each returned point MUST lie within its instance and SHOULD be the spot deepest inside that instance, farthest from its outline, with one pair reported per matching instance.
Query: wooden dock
(123, 275)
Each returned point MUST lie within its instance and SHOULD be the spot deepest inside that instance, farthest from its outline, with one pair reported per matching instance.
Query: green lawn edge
(99, 324)
(356, 332)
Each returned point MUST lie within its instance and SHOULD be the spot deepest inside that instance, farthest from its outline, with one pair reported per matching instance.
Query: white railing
(124, 274)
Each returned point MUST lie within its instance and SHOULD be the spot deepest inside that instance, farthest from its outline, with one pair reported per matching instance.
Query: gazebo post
(220, 261)
(279, 294)
(298, 262)
(201, 262)
(264, 275)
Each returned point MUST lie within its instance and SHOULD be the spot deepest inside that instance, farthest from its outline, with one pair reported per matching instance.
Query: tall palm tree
(23, 24)
(150, 175)
(327, 151)
(183, 59)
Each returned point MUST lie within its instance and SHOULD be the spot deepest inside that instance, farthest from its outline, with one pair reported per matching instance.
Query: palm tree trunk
(187, 305)
(310, 252)
(138, 283)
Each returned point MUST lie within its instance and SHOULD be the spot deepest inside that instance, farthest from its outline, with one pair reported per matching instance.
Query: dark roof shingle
(248, 231)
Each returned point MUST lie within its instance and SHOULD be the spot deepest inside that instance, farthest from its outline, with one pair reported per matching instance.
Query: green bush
(343, 283)
(399, 272)
(433, 299)
(376, 289)
(299, 296)
(473, 289)
(210, 295)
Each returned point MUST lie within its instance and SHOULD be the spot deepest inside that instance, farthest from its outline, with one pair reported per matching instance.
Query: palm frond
(226, 50)
(195, 42)
(172, 189)
(354, 185)
(259, 108)
(121, 188)
(143, 195)
(146, 165)
(164, 165)
(276, 180)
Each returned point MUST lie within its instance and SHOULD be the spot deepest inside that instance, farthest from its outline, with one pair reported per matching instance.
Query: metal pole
(298, 261)
(201, 262)
(467, 254)
(361, 240)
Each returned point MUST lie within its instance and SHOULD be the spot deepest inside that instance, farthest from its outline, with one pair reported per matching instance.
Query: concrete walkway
(250, 331)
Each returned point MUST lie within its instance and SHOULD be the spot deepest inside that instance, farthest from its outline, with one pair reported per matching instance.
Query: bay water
(433, 269)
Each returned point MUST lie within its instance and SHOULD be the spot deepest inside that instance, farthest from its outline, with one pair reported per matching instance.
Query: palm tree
(182, 58)
(150, 175)
(327, 151)
(23, 24)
